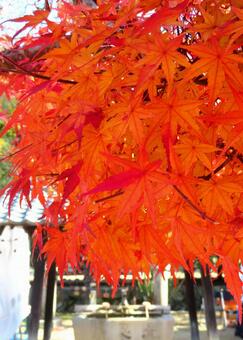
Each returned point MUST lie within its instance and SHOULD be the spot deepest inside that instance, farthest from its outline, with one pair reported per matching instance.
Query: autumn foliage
(129, 124)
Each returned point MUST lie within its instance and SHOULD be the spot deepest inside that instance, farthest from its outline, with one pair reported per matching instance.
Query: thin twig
(118, 193)
(14, 153)
(201, 213)
(65, 145)
(229, 158)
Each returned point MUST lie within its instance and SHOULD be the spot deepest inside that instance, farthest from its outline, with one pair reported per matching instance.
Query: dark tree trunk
(209, 305)
(49, 302)
(36, 296)
(191, 303)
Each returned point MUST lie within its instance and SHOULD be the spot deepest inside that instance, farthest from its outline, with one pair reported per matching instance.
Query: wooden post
(191, 303)
(36, 296)
(209, 305)
(49, 302)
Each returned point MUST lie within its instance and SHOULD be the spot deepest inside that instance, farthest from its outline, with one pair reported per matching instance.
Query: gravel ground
(63, 328)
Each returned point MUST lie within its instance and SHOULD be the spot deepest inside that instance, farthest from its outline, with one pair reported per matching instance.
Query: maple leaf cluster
(130, 124)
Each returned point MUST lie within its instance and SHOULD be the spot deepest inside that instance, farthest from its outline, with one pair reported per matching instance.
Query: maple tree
(130, 127)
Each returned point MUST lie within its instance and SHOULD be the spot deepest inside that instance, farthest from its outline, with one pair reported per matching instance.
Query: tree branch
(21, 70)
(47, 6)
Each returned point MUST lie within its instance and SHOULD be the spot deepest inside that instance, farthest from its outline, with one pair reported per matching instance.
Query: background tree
(129, 115)
(7, 108)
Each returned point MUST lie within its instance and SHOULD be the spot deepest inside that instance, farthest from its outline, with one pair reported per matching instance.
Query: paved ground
(63, 329)
(182, 331)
